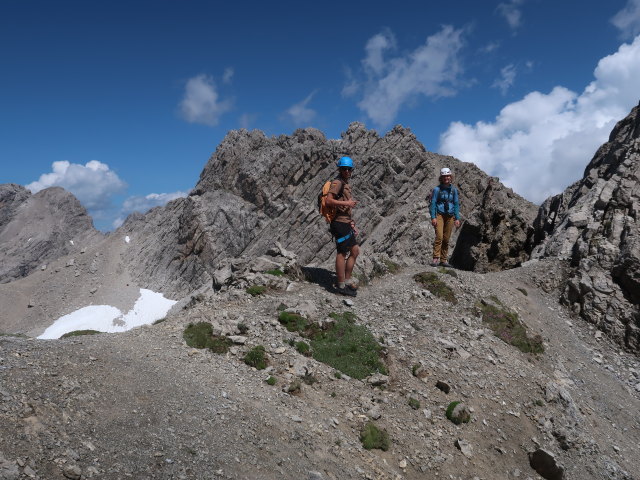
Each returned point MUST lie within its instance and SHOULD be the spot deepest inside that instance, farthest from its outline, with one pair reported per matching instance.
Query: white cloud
(507, 77)
(201, 103)
(142, 204)
(431, 70)
(511, 13)
(542, 143)
(94, 183)
(227, 76)
(300, 114)
(627, 20)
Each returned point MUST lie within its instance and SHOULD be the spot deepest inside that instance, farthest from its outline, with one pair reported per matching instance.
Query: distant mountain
(35, 229)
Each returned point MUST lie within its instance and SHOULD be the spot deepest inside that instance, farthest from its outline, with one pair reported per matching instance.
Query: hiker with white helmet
(343, 227)
(445, 213)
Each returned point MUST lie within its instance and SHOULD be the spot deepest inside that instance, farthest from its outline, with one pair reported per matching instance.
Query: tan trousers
(443, 233)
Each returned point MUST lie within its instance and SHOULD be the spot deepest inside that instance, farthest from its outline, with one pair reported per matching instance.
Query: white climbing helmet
(445, 171)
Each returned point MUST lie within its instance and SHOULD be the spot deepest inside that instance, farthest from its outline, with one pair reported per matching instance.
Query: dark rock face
(256, 191)
(594, 223)
(35, 229)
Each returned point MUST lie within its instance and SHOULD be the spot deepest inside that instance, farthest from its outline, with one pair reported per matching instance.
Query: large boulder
(594, 225)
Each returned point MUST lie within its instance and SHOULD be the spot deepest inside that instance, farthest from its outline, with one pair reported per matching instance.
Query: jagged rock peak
(39, 228)
(594, 223)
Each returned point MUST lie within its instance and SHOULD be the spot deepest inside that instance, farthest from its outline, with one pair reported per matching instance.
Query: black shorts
(344, 235)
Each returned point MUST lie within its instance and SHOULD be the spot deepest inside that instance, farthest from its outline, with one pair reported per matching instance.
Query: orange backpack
(327, 212)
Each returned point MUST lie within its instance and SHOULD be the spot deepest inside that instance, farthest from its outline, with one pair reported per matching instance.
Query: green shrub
(337, 374)
(200, 335)
(508, 328)
(256, 290)
(303, 348)
(271, 380)
(256, 357)
(78, 333)
(276, 272)
(414, 403)
(373, 437)
(431, 282)
(309, 379)
(348, 347)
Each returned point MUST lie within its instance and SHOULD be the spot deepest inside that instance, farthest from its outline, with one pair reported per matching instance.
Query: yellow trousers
(444, 226)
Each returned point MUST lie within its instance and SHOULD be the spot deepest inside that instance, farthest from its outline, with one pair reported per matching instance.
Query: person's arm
(432, 207)
(332, 201)
(456, 207)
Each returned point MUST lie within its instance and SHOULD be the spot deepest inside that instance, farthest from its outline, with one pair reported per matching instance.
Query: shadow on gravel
(320, 276)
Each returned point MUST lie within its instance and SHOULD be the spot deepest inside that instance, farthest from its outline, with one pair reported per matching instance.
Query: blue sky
(122, 103)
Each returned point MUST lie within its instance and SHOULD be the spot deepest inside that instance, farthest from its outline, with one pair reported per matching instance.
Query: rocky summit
(259, 371)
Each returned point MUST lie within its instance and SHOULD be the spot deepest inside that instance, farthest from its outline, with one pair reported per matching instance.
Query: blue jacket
(444, 200)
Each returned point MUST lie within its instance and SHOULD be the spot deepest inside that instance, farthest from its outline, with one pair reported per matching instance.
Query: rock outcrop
(256, 191)
(594, 224)
(35, 229)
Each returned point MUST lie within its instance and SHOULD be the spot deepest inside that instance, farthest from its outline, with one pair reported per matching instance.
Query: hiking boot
(435, 262)
(352, 287)
(346, 291)
(445, 264)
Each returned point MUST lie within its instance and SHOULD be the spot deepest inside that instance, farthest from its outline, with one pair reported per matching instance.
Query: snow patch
(127, 239)
(149, 307)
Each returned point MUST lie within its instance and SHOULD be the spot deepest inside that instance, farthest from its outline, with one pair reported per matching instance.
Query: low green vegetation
(373, 437)
(293, 322)
(271, 380)
(414, 403)
(256, 357)
(508, 328)
(255, 290)
(456, 419)
(78, 333)
(309, 379)
(276, 272)
(448, 271)
(431, 282)
(303, 348)
(348, 347)
(200, 335)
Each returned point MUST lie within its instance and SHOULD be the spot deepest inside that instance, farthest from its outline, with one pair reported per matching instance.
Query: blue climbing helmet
(345, 162)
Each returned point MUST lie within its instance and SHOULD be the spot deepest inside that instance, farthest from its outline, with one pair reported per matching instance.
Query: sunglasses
(346, 169)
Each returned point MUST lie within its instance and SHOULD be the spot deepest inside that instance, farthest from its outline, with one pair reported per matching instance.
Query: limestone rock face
(256, 191)
(594, 223)
(38, 228)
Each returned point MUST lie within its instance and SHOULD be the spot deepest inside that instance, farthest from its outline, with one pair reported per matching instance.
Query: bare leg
(340, 266)
(351, 261)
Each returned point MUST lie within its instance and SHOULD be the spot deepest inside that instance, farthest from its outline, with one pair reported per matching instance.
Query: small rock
(545, 464)
(279, 350)
(238, 339)
(402, 463)
(348, 302)
(70, 262)
(443, 386)
(374, 413)
(315, 476)
(377, 380)
(465, 447)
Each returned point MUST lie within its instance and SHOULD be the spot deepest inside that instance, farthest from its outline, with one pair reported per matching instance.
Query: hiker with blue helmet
(343, 228)
(445, 213)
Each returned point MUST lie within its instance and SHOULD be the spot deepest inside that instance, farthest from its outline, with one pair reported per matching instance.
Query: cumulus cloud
(94, 183)
(201, 102)
(627, 20)
(542, 143)
(431, 70)
(142, 204)
(507, 77)
(511, 13)
(300, 114)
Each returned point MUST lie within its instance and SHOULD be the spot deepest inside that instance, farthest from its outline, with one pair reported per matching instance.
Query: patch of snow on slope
(149, 307)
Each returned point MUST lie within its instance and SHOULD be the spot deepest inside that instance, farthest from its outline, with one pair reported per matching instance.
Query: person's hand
(457, 223)
(354, 228)
(434, 222)
(350, 203)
